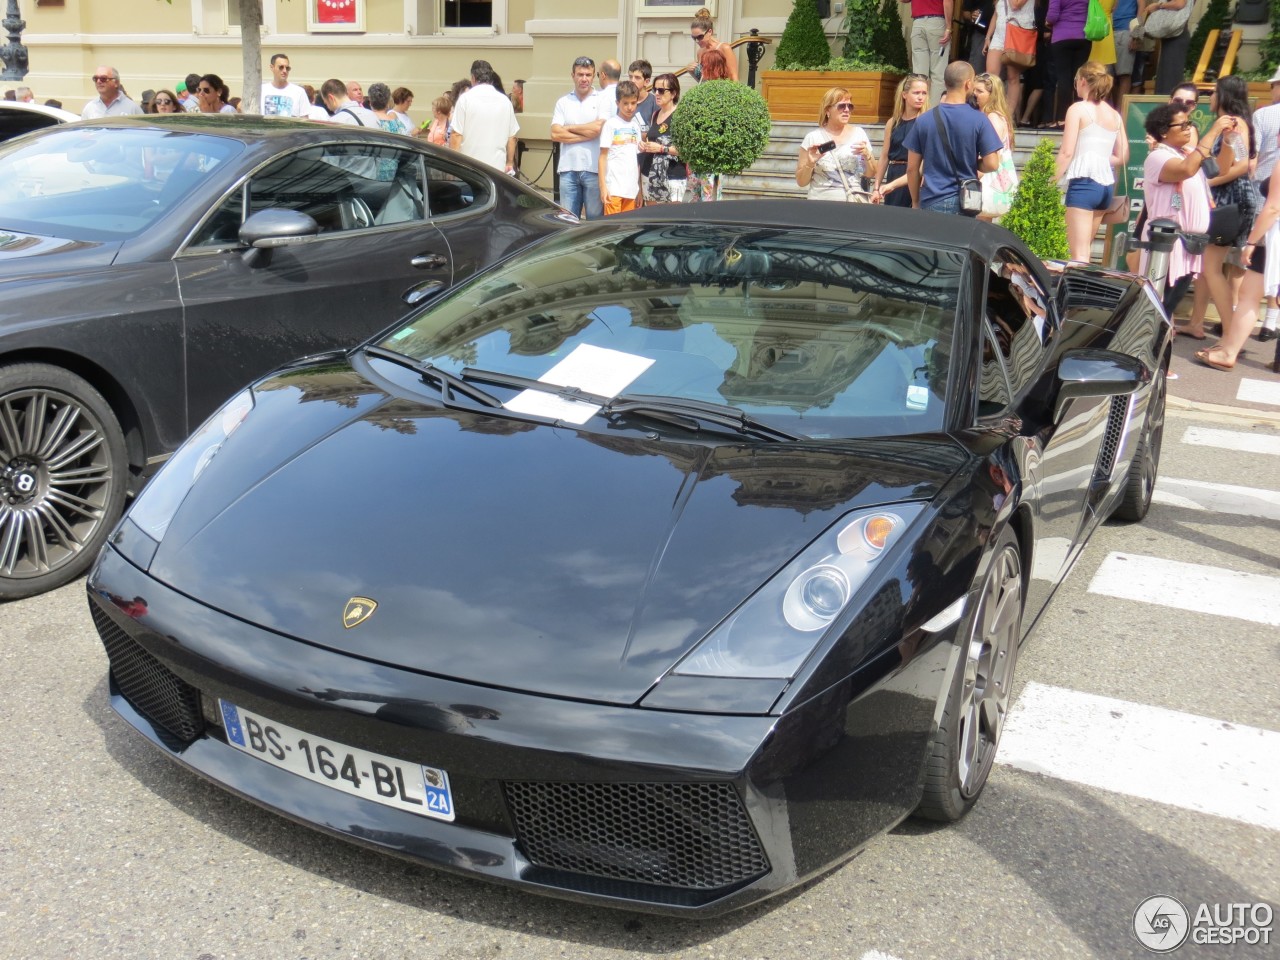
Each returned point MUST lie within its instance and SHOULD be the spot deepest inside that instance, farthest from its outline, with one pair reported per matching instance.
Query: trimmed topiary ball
(804, 43)
(1037, 215)
(721, 127)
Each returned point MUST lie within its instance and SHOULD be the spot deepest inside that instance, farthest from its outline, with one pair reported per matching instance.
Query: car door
(247, 312)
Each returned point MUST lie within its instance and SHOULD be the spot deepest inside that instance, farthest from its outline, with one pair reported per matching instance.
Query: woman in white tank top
(1093, 145)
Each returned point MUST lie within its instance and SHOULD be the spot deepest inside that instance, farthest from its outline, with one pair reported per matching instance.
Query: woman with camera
(835, 158)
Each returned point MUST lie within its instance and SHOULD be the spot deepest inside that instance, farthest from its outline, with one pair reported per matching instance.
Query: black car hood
(572, 563)
(61, 253)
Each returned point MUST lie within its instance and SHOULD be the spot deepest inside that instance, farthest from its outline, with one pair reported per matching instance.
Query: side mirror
(1098, 373)
(268, 229)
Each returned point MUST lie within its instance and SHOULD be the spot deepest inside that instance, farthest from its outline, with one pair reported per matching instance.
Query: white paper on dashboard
(597, 370)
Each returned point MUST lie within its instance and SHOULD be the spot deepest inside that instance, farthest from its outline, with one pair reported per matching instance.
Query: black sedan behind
(150, 267)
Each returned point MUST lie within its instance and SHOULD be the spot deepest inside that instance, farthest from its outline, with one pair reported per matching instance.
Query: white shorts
(997, 36)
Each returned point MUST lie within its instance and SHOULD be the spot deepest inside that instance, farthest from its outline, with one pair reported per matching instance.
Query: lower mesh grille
(689, 835)
(147, 684)
(1111, 438)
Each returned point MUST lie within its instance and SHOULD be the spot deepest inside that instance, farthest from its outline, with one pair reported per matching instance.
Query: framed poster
(335, 16)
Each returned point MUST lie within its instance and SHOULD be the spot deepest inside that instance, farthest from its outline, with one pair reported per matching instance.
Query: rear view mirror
(1098, 373)
(268, 229)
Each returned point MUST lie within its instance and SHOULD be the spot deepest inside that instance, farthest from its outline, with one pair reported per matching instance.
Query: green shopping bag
(1097, 25)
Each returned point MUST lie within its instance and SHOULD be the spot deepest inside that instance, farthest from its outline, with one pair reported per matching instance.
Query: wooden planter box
(797, 94)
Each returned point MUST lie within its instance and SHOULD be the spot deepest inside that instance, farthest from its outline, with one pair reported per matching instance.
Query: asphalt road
(109, 850)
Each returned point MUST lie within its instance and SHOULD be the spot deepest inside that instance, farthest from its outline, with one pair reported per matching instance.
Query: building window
(466, 13)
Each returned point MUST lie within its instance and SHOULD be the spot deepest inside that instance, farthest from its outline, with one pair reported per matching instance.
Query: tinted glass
(819, 334)
(93, 184)
(1017, 309)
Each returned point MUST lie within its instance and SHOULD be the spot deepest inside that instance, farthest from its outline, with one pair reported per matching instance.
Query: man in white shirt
(280, 98)
(344, 110)
(576, 123)
(111, 102)
(483, 125)
(610, 74)
(1266, 130)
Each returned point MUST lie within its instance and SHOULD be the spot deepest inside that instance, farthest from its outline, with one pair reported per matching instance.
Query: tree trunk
(251, 48)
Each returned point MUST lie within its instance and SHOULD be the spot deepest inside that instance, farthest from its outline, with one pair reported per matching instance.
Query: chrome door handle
(424, 260)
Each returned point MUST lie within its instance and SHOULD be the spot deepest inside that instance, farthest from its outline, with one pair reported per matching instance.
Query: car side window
(1016, 309)
(342, 187)
(451, 190)
(994, 396)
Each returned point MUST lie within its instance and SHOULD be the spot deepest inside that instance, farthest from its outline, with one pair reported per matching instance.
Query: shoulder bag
(970, 187)
(1165, 24)
(1019, 42)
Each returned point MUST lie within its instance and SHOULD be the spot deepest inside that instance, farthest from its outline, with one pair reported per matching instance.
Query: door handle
(424, 260)
(422, 291)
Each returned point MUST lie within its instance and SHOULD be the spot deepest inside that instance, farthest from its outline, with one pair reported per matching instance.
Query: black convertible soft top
(912, 227)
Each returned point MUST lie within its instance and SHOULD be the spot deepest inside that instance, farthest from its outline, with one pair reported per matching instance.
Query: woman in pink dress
(1174, 185)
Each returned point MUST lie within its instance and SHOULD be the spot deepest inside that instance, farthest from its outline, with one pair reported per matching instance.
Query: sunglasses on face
(204, 89)
(662, 90)
(282, 68)
(1181, 126)
(102, 79)
(844, 106)
(166, 102)
(697, 36)
(1185, 103)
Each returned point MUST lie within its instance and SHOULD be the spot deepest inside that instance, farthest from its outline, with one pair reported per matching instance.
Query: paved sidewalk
(1249, 389)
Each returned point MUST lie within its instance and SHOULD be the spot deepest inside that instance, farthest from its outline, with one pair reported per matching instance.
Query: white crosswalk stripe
(1233, 440)
(1189, 586)
(1197, 763)
(1218, 498)
(1259, 391)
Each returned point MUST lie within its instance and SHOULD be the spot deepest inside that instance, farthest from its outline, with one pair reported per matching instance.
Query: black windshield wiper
(447, 383)
(689, 413)
(517, 382)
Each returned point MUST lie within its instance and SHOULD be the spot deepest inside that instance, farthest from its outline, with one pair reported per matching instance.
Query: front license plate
(395, 783)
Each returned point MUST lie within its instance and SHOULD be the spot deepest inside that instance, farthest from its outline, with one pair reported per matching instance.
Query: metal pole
(14, 53)
(755, 52)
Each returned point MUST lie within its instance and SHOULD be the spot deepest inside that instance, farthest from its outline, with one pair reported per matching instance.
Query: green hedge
(803, 45)
(721, 127)
(1037, 214)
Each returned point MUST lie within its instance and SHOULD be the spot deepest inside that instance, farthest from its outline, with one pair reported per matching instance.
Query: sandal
(1207, 358)
(1181, 331)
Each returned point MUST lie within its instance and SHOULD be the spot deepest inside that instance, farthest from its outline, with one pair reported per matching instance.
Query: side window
(1016, 310)
(993, 384)
(452, 190)
(223, 227)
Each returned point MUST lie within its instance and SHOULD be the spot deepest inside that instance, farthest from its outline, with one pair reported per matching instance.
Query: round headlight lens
(825, 592)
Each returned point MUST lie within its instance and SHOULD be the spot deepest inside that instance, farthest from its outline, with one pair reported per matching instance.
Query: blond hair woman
(911, 100)
(835, 157)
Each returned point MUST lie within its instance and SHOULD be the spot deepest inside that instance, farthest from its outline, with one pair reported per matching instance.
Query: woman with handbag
(1011, 43)
(890, 184)
(835, 157)
(1231, 186)
(999, 186)
(1092, 147)
(1175, 188)
(1167, 21)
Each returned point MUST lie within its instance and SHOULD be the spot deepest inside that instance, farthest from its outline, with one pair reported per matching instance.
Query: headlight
(773, 632)
(160, 499)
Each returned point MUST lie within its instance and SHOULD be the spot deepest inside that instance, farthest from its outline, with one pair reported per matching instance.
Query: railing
(755, 53)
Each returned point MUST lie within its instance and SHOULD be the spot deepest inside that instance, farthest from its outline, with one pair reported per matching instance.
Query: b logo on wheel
(1161, 924)
(24, 483)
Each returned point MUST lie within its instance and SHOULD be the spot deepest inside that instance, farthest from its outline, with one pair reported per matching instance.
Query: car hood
(15, 245)
(558, 561)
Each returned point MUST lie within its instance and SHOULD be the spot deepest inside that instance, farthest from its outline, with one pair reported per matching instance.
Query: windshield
(99, 184)
(822, 335)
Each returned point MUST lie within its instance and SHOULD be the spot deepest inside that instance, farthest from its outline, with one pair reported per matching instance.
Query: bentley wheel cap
(357, 611)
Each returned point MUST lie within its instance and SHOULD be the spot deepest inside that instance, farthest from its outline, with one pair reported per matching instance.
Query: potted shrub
(873, 61)
(721, 127)
(1037, 215)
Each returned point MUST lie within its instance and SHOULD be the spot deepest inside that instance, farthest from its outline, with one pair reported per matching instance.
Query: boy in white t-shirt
(620, 140)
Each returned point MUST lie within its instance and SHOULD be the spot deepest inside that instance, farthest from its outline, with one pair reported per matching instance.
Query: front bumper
(716, 811)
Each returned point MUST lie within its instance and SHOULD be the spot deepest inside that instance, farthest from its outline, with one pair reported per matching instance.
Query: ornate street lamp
(14, 53)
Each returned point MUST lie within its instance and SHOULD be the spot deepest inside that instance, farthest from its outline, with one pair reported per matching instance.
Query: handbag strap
(946, 142)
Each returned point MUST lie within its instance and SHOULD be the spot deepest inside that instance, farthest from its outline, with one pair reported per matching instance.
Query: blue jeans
(579, 190)
(947, 204)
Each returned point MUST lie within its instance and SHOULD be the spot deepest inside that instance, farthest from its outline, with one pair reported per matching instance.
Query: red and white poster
(336, 15)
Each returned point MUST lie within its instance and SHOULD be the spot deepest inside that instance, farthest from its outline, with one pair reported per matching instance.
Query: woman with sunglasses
(911, 100)
(1232, 147)
(1175, 188)
(210, 96)
(165, 101)
(835, 157)
(665, 176)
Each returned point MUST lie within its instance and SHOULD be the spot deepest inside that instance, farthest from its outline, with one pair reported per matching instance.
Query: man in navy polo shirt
(974, 144)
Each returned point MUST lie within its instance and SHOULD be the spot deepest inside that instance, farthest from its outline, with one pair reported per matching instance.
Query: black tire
(1144, 469)
(964, 749)
(62, 477)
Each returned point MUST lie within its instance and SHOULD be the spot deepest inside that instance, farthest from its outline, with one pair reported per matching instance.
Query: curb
(1222, 410)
